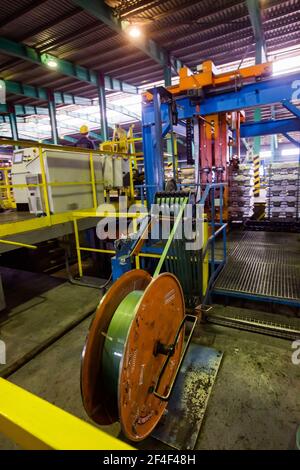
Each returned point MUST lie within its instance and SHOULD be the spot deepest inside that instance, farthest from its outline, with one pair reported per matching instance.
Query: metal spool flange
(133, 351)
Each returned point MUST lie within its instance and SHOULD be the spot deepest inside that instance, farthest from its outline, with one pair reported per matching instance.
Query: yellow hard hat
(84, 129)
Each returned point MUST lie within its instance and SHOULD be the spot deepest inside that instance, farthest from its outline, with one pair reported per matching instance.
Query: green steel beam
(60, 98)
(16, 88)
(67, 98)
(21, 110)
(24, 110)
(257, 27)
(100, 10)
(64, 67)
(6, 119)
(37, 93)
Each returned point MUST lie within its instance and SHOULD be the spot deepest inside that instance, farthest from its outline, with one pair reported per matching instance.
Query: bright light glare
(289, 152)
(52, 63)
(134, 31)
(287, 65)
(265, 154)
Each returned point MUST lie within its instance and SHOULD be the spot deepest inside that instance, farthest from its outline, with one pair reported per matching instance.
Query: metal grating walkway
(264, 266)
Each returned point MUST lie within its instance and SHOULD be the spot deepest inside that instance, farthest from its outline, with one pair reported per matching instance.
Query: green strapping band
(114, 344)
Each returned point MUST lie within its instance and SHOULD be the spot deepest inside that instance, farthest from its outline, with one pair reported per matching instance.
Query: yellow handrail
(32, 143)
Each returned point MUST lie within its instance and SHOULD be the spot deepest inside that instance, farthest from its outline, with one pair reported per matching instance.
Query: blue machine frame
(156, 122)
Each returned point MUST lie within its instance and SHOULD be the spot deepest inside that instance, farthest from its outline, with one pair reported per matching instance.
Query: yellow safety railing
(19, 244)
(7, 199)
(35, 424)
(45, 184)
(100, 215)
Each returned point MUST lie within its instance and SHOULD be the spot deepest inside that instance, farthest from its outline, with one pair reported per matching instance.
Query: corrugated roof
(191, 30)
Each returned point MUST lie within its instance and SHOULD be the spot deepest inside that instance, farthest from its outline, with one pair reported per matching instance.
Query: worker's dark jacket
(85, 143)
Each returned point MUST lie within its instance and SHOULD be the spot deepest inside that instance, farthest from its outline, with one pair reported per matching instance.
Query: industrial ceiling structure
(150, 203)
(90, 45)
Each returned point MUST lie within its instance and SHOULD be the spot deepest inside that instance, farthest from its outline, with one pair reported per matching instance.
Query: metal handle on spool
(169, 351)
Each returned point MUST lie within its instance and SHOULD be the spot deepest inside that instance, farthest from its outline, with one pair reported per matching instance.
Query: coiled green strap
(115, 340)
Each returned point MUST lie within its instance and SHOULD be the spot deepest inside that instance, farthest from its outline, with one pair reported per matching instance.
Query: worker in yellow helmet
(85, 142)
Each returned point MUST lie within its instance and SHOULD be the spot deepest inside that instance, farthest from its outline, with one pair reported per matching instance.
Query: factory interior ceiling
(188, 31)
(172, 218)
(192, 31)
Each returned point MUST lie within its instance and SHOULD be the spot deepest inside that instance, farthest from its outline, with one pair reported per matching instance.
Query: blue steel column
(102, 105)
(152, 148)
(52, 116)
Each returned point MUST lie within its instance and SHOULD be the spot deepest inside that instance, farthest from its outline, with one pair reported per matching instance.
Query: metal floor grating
(263, 265)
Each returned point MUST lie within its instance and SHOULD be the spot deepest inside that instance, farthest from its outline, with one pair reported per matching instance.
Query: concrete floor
(30, 326)
(255, 402)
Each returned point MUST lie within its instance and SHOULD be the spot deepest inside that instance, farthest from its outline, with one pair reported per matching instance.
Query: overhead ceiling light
(49, 60)
(134, 31)
(52, 64)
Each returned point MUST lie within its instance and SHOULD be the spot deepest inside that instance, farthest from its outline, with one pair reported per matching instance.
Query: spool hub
(132, 333)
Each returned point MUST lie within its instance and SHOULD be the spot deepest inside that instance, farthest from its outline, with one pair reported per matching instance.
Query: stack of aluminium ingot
(241, 199)
(283, 191)
(187, 177)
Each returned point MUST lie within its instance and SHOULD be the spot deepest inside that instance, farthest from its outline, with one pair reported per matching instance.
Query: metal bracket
(166, 397)
(165, 349)
(205, 308)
